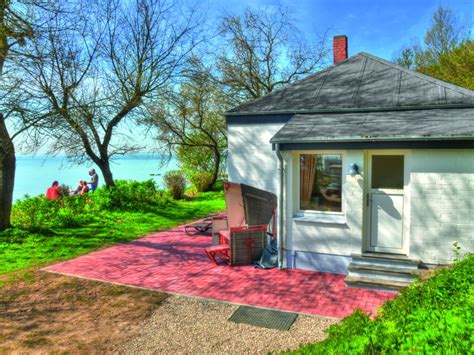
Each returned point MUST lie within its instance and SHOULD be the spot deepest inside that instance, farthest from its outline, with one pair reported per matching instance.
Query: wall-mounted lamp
(354, 169)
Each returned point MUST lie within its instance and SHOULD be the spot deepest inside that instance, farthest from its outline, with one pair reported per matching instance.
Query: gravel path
(187, 325)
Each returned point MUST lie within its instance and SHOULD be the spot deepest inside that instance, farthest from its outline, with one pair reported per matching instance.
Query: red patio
(176, 263)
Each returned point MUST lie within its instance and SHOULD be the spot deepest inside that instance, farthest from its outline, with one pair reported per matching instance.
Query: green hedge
(34, 213)
(431, 316)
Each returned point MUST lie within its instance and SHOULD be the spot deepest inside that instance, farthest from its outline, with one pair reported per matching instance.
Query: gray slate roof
(360, 82)
(378, 126)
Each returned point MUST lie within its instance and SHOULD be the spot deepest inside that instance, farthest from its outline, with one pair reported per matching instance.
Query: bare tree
(257, 53)
(263, 51)
(191, 126)
(100, 72)
(446, 32)
(20, 22)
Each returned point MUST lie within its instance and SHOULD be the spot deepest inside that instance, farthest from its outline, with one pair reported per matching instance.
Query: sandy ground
(189, 326)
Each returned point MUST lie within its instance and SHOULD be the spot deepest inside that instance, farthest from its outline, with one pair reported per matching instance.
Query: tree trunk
(215, 172)
(104, 167)
(7, 175)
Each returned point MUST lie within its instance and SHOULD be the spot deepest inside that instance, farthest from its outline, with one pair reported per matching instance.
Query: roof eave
(373, 139)
(350, 110)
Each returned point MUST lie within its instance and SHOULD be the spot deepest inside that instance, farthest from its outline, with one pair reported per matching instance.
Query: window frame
(297, 192)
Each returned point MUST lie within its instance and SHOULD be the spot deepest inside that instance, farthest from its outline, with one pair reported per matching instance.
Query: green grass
(22, 249)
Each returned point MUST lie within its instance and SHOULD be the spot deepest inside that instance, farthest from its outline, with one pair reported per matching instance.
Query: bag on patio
(269, 258)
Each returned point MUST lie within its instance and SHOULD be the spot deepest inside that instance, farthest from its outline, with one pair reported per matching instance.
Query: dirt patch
(426, 274)
(45, 312)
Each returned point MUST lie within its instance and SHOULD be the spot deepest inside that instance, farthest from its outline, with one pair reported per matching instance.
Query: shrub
(130, 196)
(175, 182)
(74, 211)
(31, 212)
(64, 190)
(219, 185)
(36, 213)
(14, 235)
(431, 316)
(201, 180)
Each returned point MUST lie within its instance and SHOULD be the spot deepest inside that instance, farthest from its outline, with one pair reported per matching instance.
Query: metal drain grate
(265, 318)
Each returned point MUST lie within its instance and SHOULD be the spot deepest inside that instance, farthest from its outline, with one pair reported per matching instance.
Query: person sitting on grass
(94, 179)
(84, 188)
(78, 188)
(53, 192)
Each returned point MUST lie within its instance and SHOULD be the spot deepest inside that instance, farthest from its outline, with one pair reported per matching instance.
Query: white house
(376, 169)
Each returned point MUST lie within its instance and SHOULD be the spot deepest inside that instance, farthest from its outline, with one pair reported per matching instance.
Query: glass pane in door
(387, 171)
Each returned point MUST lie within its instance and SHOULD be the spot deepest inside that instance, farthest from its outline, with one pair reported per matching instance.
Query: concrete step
(380, 271)
(385, 260)
(375, 283)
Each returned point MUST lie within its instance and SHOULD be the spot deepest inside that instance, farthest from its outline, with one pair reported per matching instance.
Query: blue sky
(374, 26)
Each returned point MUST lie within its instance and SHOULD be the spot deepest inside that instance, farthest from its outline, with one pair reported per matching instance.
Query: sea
(35, 173)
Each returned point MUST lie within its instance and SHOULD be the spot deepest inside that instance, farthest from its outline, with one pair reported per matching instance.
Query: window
(387, 171)
(321, 182)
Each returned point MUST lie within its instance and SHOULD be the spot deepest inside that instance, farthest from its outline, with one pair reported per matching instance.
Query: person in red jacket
(53, 192)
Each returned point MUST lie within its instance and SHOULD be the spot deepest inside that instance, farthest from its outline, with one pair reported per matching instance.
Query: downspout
(281, 209)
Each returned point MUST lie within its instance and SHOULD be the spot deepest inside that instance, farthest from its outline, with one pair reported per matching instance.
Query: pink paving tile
(173, 262)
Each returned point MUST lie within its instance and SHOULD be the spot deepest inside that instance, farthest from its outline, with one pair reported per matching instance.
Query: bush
(36, 213)
(201, 180)
(64, 190)
(130, 196)
(31, 212)
(14, 236)
(431, 316)
(219, 185)
(175, 182)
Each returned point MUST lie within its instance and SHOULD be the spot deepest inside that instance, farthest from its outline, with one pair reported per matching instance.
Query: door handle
(368, 199)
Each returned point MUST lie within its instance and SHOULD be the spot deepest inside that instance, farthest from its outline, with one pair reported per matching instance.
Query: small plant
(175, 182)
(64, 190)
(457, 251)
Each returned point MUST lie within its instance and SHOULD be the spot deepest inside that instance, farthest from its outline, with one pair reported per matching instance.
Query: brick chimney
(340, 48)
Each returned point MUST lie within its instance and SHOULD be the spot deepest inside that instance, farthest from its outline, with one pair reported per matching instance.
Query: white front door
(385, 202)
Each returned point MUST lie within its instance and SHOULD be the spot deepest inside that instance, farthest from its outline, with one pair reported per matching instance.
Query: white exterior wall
(442, 203)
(439, 196)
(439, 190)
(251, 159)
(331, 239)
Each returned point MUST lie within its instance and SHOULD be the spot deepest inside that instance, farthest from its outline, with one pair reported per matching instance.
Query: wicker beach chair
(247, 244)
(242, 237)
(259, 207)
(234, 216)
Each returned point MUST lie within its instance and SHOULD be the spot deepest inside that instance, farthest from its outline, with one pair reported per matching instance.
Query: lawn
(20, 249)
(44, 312)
